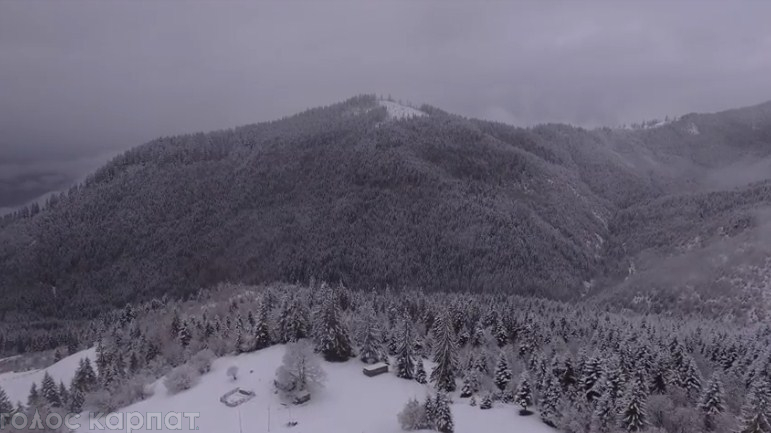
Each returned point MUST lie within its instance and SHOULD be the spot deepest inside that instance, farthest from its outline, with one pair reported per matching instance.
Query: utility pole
(240, 426)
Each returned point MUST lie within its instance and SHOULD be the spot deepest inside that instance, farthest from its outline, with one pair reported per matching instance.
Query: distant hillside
(376, 194)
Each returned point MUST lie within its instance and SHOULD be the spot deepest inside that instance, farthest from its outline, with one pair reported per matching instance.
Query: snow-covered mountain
(375, 193)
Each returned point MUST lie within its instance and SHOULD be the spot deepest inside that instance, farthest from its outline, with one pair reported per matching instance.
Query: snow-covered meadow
(349, 401)
(17, 384)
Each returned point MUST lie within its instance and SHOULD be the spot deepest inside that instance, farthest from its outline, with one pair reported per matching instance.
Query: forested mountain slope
(372, 198)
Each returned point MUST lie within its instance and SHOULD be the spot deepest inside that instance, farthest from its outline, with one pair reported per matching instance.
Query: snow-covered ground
(349, 402)
(17, 384)
(399, 111)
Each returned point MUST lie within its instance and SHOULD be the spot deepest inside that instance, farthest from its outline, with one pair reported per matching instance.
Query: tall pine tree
(549, 403)
(445, 355)
(711, 403)
(604, 416)
(6, 407)
(502, 373)
(261, 330)
(371, 347)
(33, 400)
(524, 394)
(754, 416)
(333, 342)
(590, 377)
(50, 391)
(442, 415)
(633, 414)
(405, 361)
(420, 372)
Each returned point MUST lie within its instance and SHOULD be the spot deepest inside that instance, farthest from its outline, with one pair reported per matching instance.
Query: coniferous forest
(226, 212)
(576, 367)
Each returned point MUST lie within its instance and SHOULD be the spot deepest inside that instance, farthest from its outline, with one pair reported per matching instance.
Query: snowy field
(350, 402)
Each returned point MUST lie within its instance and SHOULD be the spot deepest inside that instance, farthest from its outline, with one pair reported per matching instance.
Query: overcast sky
(80, 80)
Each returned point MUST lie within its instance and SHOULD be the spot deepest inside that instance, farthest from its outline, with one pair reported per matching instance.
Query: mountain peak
(397, 110)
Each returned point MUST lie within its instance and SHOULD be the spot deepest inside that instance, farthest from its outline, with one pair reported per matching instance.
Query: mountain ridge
(345, 193)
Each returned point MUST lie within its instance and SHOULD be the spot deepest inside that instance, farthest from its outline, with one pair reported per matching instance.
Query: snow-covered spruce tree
(293, 320)
(133, 366)
(590, 377)
(405, 360)
(300, 369)
(467, 390)
(430, 408)
(420, 372)
(239, 342)
(445, 355)
(77, 398)
(502, 373)
(86, 376)
(442, 414)
(102, 357)
(6, 407)
(184, 335)
(568, 379)
(472, 401)
(64, 395)
(487, 401)
(478, 338)
(550, 402)
(755, 411)
(691, 378)
(711, 403)
(633, 415)
(604, 415)
(282, 319)
(393, 342)
(107, 376)
(501, 334)
(174, 327)
(463, 337)
(261, 330)
(507, 395)
(49, 391)
(468, 365)
(371, 348)
(524, 395)
(333, 340)
(119, 365)
(33, 399)
(480, 363)
(614, 380)
(659, 382)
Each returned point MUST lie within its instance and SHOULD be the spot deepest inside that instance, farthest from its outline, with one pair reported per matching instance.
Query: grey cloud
(82, 79)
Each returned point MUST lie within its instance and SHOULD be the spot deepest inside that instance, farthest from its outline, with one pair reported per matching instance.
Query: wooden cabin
(375, 369)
